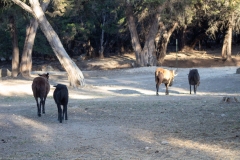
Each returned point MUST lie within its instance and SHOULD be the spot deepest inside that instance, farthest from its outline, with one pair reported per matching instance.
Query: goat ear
(47, 74)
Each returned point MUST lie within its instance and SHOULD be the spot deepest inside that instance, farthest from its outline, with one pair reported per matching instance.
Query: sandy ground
(117, 115)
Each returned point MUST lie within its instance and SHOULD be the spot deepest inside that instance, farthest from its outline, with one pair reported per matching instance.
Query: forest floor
(117, 114)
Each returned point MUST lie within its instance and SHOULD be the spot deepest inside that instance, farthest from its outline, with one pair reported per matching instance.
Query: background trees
(75, 76)
(225, 19)
(101, 28)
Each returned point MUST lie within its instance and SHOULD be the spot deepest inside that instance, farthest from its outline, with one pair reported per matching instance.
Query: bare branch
(24, 6)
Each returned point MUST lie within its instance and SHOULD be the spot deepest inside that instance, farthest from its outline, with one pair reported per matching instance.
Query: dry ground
(118, 116)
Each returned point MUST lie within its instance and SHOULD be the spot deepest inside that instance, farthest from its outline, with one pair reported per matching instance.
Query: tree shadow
(125, 91)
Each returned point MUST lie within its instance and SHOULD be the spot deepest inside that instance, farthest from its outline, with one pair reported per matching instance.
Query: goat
(60, 96)
(193, 79)
(164, 76)
(41, 88)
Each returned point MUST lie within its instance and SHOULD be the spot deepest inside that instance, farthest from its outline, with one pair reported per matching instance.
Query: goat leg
(43, 107)
(166, 89)
(157, 87)
(59, 113)
(65, 112)
(38, 107)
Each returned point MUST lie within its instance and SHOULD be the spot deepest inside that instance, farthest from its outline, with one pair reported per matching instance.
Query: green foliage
(6, 40)
(84, 22)
(22, 19)
(156, 2)
(219, 13)
(60, 7)
(5, 45)
(78, 22)
(41, 45)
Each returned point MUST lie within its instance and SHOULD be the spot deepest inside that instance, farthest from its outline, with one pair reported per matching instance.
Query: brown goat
(41, 88)
(164, 76)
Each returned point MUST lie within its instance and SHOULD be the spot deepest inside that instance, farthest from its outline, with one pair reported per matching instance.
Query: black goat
(60, 96)
(41, 88)
(194, 79)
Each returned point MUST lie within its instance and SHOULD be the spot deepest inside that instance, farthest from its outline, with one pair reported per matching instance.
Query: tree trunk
(90, 50)
(75, 75)
(149, 47)
(197, 39)
(162, 45)
(26, 62)
(227, 43)
(145, 56)
(194, 42)
(134, 35)
(159, 33)
(15, 52)
(102, 39)
(181, 37)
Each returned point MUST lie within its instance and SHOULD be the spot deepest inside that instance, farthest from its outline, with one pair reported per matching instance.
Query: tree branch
(24, 6)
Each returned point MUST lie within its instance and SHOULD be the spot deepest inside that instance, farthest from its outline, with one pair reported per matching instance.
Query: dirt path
(118, 116)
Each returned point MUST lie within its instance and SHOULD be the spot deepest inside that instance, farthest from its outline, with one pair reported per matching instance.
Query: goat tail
(156, 76)
(159, 76)
(37, 91)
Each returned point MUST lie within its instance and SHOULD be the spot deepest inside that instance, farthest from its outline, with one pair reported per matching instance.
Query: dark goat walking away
(194, 79)
(60, 96)
(41, 88)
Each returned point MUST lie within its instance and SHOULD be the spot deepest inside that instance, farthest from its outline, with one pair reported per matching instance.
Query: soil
(117, 114)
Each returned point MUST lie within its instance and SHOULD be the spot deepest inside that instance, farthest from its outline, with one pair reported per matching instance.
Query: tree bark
(102, 46)
(162, 45)
(75, 75)
(144, 56)
(134, 35)
(227, 43)
(90, 50)
(26, 62)
(149, 47)
(197, 39)
(159, 34)
(181, 36)
(15, 52)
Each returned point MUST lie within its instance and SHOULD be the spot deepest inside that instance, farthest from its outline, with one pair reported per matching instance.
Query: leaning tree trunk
(75, 75)
(227, 43)
(26, 62)
(15, 52)
(159, 33)
(196, 40)
(191, 47)
(134, 35)
(162, 45)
